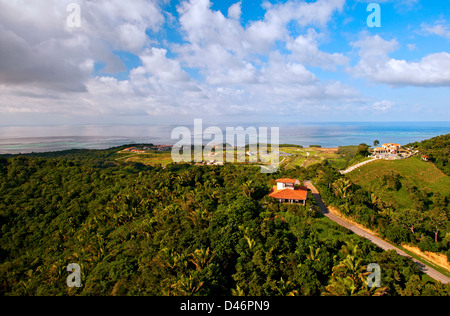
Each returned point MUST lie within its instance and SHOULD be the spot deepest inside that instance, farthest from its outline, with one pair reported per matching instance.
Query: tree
(363, 150)
(349, 279)
(411, 219)
(341, 186)
(286, 288)
(413, 287)
(201, 258)
(437, 221)
(248, 189)
(392, 181)
(376, 143)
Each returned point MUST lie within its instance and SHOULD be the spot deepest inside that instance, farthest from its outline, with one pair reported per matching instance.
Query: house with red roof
(289, 191)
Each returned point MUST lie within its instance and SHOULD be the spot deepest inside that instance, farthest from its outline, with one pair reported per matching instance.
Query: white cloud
(305, 50)
(376, 65)
(38, 48)
(235, 12)
(440, 28)
(215, 41)
(50, 70)
(383, 106)
(227, 54)
(402, 6)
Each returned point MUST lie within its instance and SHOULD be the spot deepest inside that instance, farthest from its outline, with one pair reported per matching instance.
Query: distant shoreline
(41, 139)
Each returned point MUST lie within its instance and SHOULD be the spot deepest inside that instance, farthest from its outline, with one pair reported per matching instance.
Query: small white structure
(286, 184)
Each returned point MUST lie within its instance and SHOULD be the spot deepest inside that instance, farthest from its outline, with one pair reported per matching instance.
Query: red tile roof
(289, 194)
(286, 180)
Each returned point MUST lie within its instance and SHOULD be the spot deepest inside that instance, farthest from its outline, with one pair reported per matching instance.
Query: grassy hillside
(414, 175)
(437, 149)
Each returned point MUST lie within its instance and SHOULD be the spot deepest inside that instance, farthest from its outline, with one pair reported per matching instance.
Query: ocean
(28, 139)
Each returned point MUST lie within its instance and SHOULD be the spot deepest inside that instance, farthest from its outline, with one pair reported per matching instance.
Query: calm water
(27, 139)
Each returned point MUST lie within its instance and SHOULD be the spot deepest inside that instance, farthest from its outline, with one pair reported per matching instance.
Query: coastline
(40, 139)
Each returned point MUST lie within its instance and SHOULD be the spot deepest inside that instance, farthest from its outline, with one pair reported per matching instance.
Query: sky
(162, 61)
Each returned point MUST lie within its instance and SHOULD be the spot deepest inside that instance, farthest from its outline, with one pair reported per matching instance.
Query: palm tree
(341, 186)
(351, 267)
(286, 288)
(351, 249)
(247, 189)
(251, 242)
(374, 199)
(238, 291)
(340, 286)
(186, 286)
(201, 258)
(313, 254)
(349, 278)
(199, 217)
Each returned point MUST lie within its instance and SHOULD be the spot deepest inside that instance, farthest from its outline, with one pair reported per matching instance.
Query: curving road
(374, 239)
(350, 169)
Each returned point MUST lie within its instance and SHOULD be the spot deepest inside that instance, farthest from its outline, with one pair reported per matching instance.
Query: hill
(404, 201)
(402, 183)
(437, 149)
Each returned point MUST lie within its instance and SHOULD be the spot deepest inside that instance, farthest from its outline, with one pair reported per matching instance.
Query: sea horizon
(23, 139)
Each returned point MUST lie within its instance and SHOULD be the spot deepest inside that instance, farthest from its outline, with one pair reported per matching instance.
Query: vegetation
(405, 201)
(437, 149)
(138, 229)
(307, 157)
(403, 184)
(290, 145)
(350, 155)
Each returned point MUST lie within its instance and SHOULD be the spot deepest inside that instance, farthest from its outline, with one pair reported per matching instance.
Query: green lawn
(307, 156)
(163, 158)
(413, 171)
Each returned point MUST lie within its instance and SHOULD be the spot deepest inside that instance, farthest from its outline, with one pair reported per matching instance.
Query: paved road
(377, 241)
(350, 169)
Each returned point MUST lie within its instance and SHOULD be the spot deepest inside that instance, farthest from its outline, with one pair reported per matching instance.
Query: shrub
(428, 244)
(396, 234)
(392, 181)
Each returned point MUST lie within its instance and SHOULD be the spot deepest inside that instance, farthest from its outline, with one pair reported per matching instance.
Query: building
(289, 191)
(388, 151)
(164, 148)
(392, 148)
(389, 148)
(380, 150)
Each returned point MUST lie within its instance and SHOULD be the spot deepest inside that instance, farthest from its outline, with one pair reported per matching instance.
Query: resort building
(390, 151)
(392, 148)
(289, 191)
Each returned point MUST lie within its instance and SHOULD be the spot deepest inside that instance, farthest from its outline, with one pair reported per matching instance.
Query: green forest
(185, 230)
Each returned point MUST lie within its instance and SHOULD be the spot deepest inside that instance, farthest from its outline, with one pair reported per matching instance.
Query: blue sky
(150, 62)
